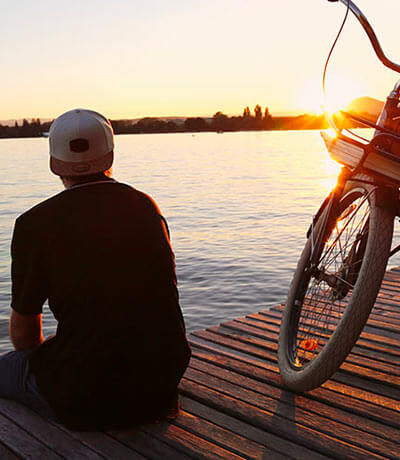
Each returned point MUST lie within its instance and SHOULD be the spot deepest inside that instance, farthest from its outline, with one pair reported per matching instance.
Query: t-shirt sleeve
(27, 270)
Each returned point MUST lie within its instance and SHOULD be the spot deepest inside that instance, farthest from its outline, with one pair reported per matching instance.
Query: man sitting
(99, 252)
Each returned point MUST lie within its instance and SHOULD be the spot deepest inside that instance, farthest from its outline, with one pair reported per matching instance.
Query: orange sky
(185, 57)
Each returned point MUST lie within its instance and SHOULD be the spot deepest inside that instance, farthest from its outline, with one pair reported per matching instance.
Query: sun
(341, 89)
(309, 97)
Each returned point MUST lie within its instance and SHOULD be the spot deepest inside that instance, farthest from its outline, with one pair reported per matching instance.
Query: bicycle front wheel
(335, 286)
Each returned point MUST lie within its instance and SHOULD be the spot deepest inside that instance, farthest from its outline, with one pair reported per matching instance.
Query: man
(99, 252)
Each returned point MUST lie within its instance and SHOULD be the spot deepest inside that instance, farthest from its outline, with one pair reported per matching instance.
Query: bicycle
(343, 263)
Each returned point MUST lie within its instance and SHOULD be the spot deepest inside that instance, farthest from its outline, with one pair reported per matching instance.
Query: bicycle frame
(388, 189)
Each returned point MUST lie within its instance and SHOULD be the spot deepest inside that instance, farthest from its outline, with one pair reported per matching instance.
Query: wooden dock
(234, 406)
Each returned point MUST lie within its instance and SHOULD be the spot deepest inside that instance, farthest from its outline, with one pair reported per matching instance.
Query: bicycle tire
(319, 329)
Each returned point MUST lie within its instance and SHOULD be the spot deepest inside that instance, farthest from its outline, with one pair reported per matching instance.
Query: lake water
(238, 206)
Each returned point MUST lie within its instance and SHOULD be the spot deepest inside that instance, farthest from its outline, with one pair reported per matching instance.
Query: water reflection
(238, 206)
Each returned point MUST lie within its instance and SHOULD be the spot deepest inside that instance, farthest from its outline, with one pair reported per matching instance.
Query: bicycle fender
(319, 212)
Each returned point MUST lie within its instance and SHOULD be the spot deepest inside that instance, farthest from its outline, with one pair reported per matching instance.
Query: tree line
(257, 120)
(260, 120)
(33, 128)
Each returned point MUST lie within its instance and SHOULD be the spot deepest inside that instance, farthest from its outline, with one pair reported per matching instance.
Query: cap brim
(83, 168)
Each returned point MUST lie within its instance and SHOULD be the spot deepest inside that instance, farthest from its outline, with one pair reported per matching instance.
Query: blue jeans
(17, 383)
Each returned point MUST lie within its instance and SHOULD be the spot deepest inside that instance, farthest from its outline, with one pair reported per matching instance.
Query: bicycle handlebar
(371, 34)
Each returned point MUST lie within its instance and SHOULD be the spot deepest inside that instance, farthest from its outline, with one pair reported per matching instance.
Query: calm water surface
(237, 204)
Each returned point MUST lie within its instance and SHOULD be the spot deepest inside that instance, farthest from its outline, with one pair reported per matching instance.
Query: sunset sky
(135, 58)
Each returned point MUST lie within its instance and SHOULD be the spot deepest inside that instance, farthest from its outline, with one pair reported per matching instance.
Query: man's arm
(25, 331)
(29, 283)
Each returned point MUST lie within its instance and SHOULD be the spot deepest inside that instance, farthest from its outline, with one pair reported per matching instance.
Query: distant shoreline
(219, 123)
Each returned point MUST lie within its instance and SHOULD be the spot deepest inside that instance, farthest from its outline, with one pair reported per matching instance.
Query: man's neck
(69, 182)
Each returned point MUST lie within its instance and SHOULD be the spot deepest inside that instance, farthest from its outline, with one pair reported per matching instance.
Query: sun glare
(341, 89)
(332, 169)
(331, 132)
(339, 95)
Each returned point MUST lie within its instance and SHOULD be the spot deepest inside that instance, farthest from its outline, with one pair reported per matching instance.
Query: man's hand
(25, 331)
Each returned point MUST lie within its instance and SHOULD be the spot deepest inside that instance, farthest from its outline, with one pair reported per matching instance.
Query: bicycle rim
(330, 277)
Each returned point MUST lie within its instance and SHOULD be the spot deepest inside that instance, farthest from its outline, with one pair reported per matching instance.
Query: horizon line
(277, 114)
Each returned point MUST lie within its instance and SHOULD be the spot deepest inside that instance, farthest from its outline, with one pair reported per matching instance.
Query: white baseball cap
(81, 143)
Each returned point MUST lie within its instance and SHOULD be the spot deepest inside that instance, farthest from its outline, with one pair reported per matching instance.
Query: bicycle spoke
(332, 279)
(332, 245)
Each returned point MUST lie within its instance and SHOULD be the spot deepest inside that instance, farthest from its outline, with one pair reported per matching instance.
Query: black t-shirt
(100, 254)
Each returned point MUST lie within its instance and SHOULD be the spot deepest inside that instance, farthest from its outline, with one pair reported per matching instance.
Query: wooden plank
(376, 407)
(387, 306)
(391, 282)
(391, 298)
(392, 301)
(269, 441)
(393, 275)
(366, 339)
(381, 372)
(7, 454)
(389, 277)
(387, 315)
(270, 421)
(355, 358)
(271, 334)
(386, 291)
(286, 408)
(268, 350)
(72, 444)
(390, 286)
(373, 337)
(223, 437)
(380, 315)
(375, 321)
(392, 279)
(22, 443)
(56, 438)
(106, 446)
(333, 409)
(369, 385)
(380, 307)
(384, 306)
(254, 350)
(251, 349)
(148, 446)
(192, 445)
(390, 292)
